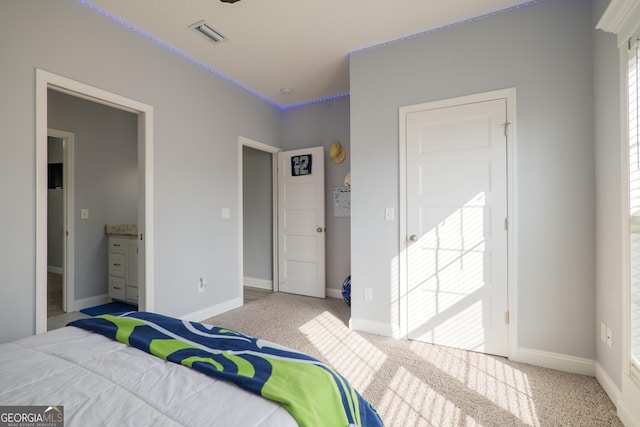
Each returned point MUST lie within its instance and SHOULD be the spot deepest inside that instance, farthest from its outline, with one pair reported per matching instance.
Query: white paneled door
(456, 196)
(301, 222)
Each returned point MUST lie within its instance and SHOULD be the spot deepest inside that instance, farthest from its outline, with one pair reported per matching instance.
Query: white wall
(544, 50)
(197, 120)
(319, 125)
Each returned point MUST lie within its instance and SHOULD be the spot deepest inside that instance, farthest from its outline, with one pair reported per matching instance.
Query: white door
(301, 225)
(456, 226)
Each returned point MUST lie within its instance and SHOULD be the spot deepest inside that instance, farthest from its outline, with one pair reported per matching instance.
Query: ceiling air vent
(208, 31)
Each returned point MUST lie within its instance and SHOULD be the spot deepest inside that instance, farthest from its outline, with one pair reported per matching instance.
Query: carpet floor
(412, 383)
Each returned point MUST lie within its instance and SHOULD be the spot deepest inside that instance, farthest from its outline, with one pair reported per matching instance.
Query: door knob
(413, 238)
(319, 229)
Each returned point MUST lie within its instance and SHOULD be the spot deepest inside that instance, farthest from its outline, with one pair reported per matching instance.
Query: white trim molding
(247, 142)
(622, 17)
(55, 270)
(214, 310)
(334, 293)
(559, 362)
(372, 327)
(258, 283)
(44, 81)
(624, 411)
(83, 303)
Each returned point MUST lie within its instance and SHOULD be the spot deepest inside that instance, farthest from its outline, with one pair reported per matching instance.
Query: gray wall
(105, 181)
(257, 213)
(545, 51)
(609, 197)
(197, 120)
(55, 210)
(317, 125)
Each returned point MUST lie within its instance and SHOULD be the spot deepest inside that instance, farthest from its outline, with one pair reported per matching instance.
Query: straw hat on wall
(336, 152)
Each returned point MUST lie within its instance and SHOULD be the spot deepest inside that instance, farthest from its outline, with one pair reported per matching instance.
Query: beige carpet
(417, 384)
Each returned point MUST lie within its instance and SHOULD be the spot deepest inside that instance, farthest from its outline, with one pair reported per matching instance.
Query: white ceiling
(298, 44)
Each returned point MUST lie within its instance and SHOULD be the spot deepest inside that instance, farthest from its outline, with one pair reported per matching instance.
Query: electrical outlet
(202, 285)
(609, 337)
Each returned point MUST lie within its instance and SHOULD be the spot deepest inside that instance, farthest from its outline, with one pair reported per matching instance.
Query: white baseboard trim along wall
(258, 283)
(623, 410)
(55, 270)
(560, 362)
(81, 304)
(214, 310)
(334, 293)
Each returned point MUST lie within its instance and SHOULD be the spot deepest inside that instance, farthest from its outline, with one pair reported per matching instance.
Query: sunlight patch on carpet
(346, 351)
(407, 394)
(488, 376)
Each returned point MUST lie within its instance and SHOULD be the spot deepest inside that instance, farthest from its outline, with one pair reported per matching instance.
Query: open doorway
(55, 226)
(46, 81)
(60, 259)
(259, 219)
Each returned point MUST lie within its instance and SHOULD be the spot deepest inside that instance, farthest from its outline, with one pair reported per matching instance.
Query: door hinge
(140, 236)
(506, 224)
(506, 317)
(506, 128)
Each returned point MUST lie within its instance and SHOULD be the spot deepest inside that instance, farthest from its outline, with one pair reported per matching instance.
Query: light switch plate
(225, 213)
(84, 213)
(388, 214)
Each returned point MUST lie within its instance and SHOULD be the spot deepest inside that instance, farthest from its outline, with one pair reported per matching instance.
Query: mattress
(103, 382)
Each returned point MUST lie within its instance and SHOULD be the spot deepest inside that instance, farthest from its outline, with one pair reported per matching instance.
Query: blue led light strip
(315, 101)
(176, 51)
(125, 24)
(445, 27)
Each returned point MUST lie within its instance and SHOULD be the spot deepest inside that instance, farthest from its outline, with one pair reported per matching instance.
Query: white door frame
(512, 257)
(246, 142)
(44, 81)
(68, 241)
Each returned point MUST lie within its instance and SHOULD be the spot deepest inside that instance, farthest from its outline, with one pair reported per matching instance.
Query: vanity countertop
(121, 229)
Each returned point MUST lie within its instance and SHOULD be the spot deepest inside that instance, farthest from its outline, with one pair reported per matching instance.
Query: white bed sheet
(101, 382)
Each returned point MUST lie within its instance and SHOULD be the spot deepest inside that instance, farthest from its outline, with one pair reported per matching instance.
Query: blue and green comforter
(312, 392)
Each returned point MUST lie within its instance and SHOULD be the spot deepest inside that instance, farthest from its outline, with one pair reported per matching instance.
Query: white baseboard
(200, 315)
(607, 384)
(628, 408)
(258, 283)
(560, 362)
(626, 414)
(81, 304)
(55, 270)
(334, 293)
(378, 328)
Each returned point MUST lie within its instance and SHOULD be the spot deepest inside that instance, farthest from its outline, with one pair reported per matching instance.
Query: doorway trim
(68, 241)
(44, 81)
(512, 238)
(246, 142)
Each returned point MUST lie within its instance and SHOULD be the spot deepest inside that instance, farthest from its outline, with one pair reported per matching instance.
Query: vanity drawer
(117, 288)
(116, 264)
(117, 244)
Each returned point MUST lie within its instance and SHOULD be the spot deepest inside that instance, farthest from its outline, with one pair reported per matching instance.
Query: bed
(102, 373)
